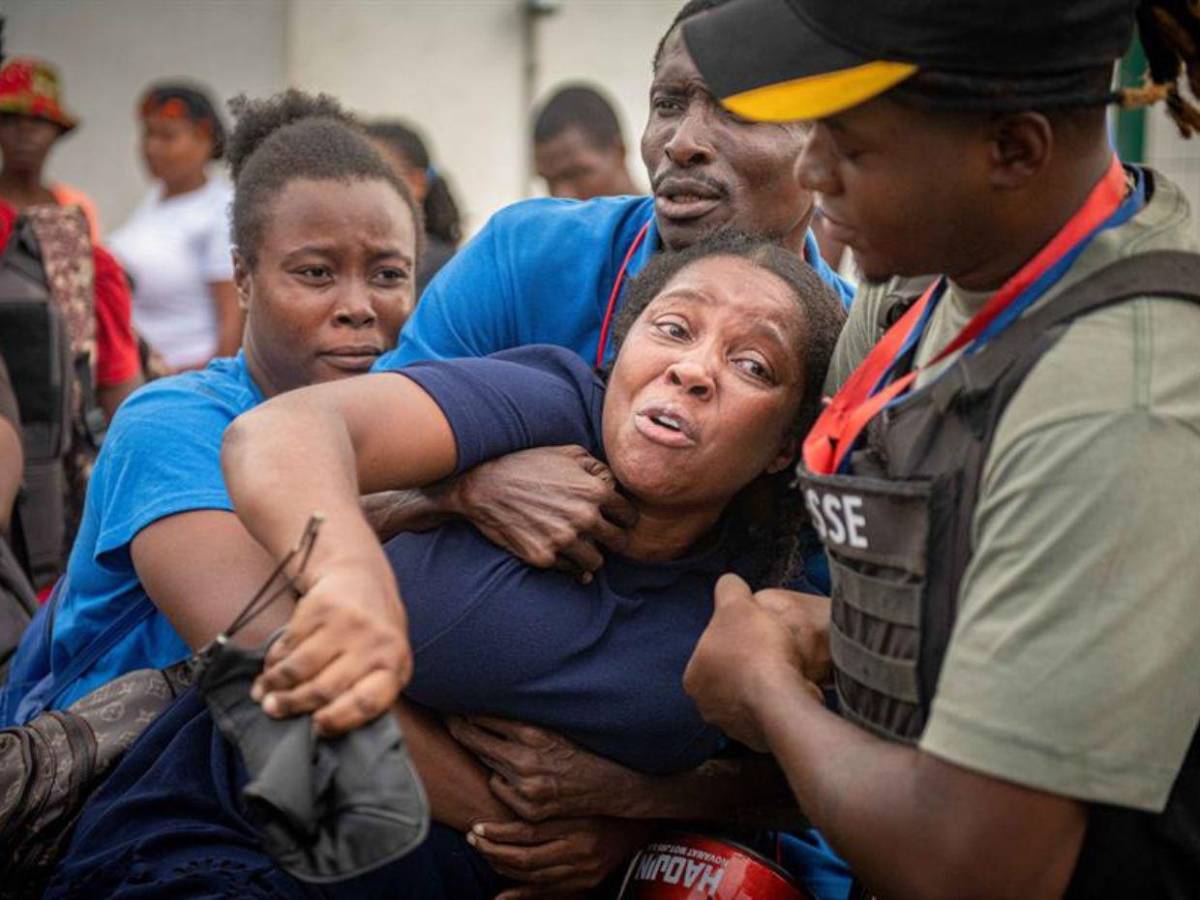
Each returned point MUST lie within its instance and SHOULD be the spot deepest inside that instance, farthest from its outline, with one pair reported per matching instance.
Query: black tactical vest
(48, 339)
(898, 534)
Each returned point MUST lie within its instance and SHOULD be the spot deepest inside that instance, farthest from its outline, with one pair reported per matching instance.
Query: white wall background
(107, 51)
(454, 67)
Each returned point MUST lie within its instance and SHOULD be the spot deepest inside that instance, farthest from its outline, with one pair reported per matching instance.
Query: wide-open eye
(673, 327)
(755, 367)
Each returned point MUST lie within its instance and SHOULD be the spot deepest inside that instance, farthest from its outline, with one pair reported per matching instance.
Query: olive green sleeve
(1072, 666)
(857, 337)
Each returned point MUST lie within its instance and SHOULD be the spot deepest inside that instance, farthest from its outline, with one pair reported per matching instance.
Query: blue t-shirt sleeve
(840, 286)
(161, 456)
(536, 396)
(465, 311)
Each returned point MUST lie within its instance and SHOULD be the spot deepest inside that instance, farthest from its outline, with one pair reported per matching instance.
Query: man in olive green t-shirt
(1055, 749)
(1094, 456)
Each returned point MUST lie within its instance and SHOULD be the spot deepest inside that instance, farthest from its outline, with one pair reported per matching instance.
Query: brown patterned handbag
(50, 767)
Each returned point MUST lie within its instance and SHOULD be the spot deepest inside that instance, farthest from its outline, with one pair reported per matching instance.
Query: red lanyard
(616, 292)
(854, 406)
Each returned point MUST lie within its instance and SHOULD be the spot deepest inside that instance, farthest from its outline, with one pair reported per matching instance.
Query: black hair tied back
(192, 101)
(295, 135)
(442, 218)
(257, 120)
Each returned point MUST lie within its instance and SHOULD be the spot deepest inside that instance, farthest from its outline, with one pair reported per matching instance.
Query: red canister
(693, 866)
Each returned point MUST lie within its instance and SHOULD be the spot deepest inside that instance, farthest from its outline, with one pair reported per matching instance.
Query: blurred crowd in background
(157, 221)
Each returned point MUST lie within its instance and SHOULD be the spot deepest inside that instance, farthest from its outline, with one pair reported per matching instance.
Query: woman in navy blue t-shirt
(722, 356)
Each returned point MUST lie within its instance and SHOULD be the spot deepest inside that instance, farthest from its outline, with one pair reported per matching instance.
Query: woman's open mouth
(665, 426)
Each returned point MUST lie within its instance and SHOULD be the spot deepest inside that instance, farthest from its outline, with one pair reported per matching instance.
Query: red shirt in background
(116, 348)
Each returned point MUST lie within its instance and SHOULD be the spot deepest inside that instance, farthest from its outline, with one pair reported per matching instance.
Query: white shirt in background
(174, 248)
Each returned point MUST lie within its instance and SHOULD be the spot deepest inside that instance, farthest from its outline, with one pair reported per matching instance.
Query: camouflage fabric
(50, 767)
(66, 248)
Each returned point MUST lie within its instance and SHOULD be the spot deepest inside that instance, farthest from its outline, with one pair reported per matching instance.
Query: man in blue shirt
(552, 271)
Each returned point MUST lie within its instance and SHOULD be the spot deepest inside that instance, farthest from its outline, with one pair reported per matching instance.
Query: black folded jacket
(328, 808)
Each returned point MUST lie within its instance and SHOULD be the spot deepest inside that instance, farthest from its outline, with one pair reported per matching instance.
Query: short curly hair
(297, 135)
(770, 542)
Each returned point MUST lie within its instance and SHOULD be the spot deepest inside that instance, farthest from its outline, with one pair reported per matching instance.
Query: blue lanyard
(1131, 206)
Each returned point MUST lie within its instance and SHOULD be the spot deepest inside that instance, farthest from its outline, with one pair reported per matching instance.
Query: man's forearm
(394, 512)
(748, 790)
(909, 824)
(456, 783)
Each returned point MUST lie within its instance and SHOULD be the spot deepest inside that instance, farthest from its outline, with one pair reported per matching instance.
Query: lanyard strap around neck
(866, 392)
(616, 292)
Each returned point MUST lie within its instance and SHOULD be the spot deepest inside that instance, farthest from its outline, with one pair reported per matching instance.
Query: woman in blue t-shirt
(721, 364)
(326, 246)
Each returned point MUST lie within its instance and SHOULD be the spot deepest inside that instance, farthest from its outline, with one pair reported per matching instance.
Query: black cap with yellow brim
(765, 62)
(779, 60)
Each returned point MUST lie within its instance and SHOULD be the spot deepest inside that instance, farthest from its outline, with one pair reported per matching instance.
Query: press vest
(897, 526)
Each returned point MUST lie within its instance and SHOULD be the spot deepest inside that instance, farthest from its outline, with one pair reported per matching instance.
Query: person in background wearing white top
(176, 244)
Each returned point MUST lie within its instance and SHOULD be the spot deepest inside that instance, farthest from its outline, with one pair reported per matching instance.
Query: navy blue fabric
(541, 272)
(30, 665)
(537, 396)
(601, 663)
(35, 686)
(170, 822)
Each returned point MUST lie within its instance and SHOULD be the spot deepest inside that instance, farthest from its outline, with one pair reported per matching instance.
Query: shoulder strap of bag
(66, 251)
(1163, 273)
(53, 685)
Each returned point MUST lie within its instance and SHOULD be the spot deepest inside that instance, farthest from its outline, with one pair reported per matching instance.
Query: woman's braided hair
(769, 526)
